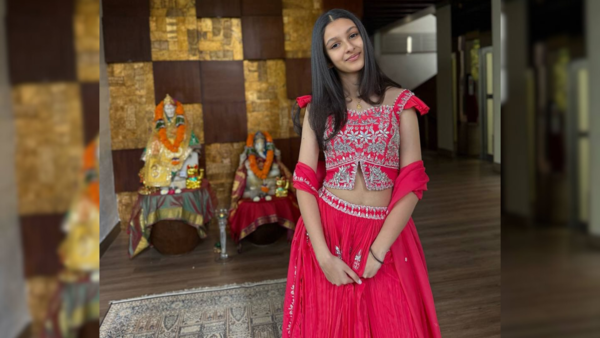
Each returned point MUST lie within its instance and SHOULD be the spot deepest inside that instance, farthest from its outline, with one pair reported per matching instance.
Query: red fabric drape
(412, 178)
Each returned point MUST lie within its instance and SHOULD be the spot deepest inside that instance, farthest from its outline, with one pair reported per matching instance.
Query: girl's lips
(354, 57)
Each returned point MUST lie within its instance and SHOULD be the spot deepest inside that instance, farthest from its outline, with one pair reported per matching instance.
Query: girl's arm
(309, 155)
(410, 151)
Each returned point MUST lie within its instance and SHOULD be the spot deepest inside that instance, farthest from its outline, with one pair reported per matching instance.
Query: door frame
(483, 96)
(572, 142)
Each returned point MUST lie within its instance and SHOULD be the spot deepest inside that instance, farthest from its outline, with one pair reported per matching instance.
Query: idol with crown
(75, 302)
(169, 151)
(260, 165)
(260, 193)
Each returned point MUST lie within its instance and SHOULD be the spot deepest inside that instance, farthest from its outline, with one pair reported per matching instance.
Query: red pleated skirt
(379, 307)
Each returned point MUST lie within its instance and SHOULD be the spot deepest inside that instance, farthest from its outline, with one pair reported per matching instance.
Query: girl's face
(344, 45)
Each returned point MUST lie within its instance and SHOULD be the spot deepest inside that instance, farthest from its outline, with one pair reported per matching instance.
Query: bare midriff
(361, 195)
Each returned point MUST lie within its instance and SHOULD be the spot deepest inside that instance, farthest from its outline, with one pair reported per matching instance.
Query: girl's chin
(353, 68)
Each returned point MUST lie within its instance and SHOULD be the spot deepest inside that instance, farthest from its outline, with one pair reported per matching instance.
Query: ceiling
(467, 15)
(380, 13)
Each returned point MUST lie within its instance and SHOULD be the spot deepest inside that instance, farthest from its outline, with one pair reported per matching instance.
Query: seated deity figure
(169, 149)
(259, 169)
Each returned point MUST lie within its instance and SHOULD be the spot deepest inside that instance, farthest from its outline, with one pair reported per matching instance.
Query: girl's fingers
(353, 275)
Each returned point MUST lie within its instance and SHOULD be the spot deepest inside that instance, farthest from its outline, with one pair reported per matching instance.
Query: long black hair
(327, 91)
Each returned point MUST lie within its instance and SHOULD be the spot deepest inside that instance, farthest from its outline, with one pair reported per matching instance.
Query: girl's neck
(350, 83)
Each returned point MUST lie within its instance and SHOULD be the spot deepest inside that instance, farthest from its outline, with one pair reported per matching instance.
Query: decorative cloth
(193, 206)
(250, 215)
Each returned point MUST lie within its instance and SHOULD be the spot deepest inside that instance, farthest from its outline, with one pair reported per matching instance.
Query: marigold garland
(162, 131)
(270, 155)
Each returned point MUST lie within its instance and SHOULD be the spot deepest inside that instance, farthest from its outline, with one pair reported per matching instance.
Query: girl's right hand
(338, 272)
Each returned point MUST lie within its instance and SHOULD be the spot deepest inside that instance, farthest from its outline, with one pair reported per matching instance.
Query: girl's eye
(351, 36)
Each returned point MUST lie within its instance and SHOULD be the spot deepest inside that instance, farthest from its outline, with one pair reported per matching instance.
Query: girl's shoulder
(391, 95)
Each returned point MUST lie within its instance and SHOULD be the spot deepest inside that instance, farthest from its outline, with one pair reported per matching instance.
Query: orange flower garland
(162, 132)
(270, 155)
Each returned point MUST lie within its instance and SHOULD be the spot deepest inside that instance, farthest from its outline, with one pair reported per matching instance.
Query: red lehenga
(397, 301)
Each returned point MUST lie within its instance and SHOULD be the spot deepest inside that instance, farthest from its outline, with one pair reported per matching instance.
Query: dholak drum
(266, 234)
(174, 237)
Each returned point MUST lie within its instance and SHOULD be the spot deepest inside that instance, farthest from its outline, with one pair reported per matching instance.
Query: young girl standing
(357, 268)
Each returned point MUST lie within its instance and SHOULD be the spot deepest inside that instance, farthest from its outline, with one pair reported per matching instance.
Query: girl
(357, 267)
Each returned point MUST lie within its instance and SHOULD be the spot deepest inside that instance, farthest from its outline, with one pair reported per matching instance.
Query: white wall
(14, 314)
(409, 70)
(592, 8)
(445, 123)
(108, 199)
(425, 24)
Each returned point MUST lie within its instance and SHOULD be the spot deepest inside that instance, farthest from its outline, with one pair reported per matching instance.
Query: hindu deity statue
(76, 299)
(260, 167)
(169, 149)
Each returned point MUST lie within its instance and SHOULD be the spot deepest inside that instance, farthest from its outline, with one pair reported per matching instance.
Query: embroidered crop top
(371, 139)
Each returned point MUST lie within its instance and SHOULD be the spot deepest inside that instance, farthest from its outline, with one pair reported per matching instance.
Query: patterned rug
(244, 310)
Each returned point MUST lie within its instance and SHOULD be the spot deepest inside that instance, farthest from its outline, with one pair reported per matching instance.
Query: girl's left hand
(371, 267)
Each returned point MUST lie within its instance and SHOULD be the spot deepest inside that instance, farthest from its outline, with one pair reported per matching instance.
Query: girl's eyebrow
(326, 43)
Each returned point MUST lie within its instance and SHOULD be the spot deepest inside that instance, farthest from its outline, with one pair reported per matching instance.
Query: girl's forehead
(337, 28)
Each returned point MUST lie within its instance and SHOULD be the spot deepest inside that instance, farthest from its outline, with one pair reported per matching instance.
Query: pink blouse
(370, 139)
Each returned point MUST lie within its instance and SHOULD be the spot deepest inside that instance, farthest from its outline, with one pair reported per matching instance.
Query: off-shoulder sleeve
(407, 100)
(303, 100)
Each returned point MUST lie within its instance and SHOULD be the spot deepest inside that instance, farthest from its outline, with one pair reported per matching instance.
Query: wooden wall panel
(126, 39)
(224, 122)
(139, 8)
(261, 7)
(298, 77)
(40, 49)
(126, 166)
(40, 8)
(180, 79)
(218, 8)
(283, 144)
(263, 37)
(90, 99)
(290, 149)
(222, 81)
(294, 152)
(202, 158)
(41, 236)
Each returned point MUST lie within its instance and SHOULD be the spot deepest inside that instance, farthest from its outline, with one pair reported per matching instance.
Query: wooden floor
(458, 221)
(551, 279)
